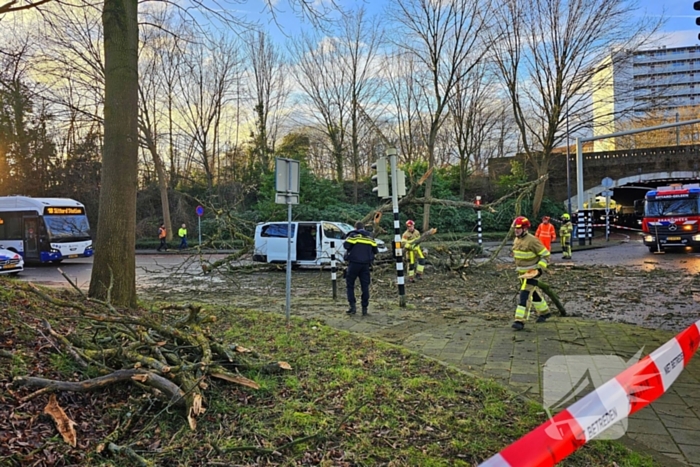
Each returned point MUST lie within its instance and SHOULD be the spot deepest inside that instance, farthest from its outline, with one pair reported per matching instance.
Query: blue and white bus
(44, 229)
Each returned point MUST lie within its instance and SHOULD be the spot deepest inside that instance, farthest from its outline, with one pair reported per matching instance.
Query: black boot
(364, 311)
(518, 325)
(352, 310)
(543, 318)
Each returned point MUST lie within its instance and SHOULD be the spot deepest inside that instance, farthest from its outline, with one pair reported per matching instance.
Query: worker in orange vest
(546, 233)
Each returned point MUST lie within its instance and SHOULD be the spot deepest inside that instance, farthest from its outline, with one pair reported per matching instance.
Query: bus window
(73, 227)
(11, 228)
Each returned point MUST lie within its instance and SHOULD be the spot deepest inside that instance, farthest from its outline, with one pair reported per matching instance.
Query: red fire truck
(672, 217)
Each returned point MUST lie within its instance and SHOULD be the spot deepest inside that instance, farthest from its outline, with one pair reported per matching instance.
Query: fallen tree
(169, 352)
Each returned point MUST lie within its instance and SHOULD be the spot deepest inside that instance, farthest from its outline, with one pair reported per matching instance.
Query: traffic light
(381, 178)
(400, 183)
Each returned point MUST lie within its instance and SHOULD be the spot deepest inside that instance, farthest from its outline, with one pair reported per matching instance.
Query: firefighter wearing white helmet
(565, 234)
(531, 258)
(414, 251)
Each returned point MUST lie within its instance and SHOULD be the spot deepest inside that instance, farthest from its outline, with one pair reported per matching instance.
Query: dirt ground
(659, 299)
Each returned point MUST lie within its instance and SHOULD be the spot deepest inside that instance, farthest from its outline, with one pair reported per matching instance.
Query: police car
(10, 262)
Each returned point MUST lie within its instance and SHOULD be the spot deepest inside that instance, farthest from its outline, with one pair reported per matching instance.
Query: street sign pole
(289, 254)
(287, 187)
(200, 213)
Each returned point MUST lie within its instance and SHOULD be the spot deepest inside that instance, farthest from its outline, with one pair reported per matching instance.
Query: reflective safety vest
(546, 231)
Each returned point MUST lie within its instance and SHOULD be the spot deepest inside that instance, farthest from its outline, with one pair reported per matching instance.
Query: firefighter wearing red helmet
(531, 258)
(414, 251)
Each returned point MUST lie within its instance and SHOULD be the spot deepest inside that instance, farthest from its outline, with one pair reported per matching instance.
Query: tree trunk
(115, 262)
(162, 185)
(429, 181)
(542, 169)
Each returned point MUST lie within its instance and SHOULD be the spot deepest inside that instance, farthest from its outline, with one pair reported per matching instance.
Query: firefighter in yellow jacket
(531, 259)
(565, 232)
(414, 251)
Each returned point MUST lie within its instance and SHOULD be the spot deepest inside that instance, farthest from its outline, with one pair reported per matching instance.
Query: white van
(310, 242)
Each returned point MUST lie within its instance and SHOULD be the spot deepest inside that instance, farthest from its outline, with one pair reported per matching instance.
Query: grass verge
(348, 401)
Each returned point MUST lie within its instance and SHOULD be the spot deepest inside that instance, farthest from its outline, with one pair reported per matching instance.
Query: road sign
(200, 211)
(607, 193)
(286, 175)
(281, 198)
(607, 182)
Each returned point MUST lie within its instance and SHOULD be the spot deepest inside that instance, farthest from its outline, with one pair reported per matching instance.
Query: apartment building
(661, 80)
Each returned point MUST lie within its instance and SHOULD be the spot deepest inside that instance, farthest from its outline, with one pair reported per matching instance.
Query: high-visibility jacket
(360, 247)
(409, 237)
(529, 253)
(547, 234)
(566, 230)
(162, 233)
(182, 232)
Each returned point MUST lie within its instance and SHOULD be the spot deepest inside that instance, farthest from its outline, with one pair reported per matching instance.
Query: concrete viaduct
(632, 171)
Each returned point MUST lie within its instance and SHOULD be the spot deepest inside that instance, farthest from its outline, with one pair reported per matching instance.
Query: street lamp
(568, 164)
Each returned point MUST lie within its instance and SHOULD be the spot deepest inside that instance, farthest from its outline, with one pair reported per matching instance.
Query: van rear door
(274, 238)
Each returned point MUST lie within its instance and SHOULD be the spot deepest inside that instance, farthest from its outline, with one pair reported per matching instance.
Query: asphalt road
(148, 267)
(152, 266)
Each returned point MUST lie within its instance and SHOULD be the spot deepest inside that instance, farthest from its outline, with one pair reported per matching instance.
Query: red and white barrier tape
(630, 391)
(613, 226)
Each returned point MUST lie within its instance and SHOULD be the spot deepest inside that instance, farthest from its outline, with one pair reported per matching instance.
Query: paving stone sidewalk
(668, 428)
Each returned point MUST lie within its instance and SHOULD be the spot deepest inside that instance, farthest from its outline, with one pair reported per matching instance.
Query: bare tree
(211, 71)
(448, 38)
(548, 55)
(323, 79)
(474, 114)
(151, 85)
(400, 77)
(361, 39)
(270, 90)
(72, 59)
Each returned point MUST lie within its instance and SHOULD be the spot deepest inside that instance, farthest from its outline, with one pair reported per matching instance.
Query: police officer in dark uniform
(360, 249)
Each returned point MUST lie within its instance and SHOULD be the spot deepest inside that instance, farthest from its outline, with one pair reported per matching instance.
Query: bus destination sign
(64, 211)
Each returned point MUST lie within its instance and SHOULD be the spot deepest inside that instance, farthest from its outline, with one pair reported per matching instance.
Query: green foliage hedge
(227, 216)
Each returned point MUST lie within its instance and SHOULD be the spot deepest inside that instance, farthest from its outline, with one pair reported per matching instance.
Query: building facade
(661, 81)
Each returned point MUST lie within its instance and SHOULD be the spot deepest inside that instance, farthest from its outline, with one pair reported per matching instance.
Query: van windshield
(346, 228)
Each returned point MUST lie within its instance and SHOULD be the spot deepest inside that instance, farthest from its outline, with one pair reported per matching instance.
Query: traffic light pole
(398, 251)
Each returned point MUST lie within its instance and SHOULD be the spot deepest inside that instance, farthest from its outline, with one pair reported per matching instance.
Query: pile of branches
(169, 352)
